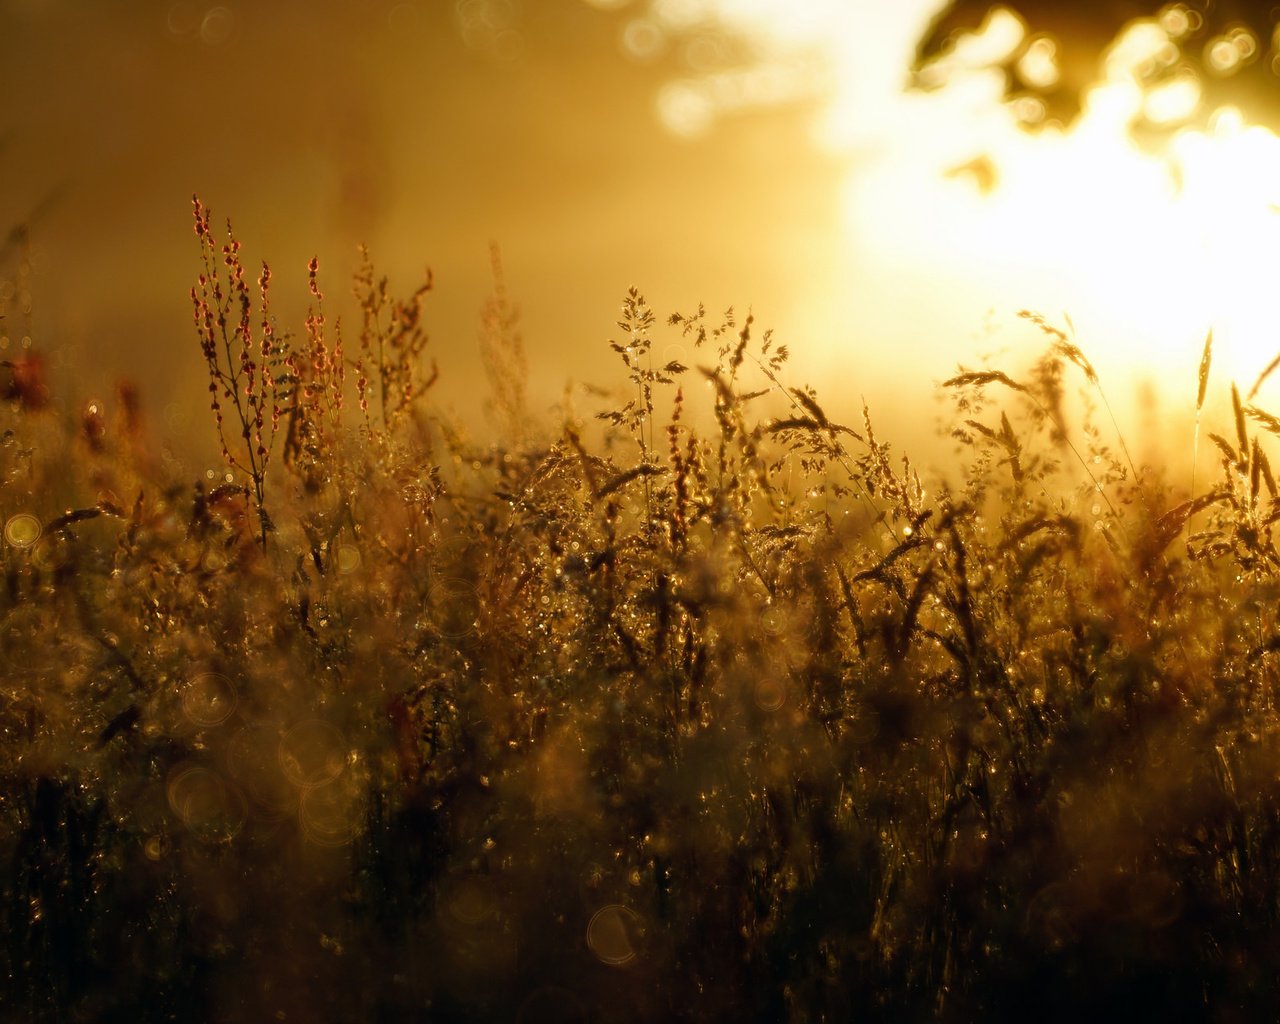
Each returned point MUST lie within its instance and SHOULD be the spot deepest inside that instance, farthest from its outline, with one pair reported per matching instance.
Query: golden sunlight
(639, 510)
(1148, 250)
(1144, 246)
(1149, 245)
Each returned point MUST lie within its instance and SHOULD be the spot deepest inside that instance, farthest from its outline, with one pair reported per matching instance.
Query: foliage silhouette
(1229, 46)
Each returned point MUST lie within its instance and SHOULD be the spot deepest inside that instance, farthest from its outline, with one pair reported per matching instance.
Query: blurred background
(884, 184)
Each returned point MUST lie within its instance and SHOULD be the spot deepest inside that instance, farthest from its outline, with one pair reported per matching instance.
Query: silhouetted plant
(736, 716)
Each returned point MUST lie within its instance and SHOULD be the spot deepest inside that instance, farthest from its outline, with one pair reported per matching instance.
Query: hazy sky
(756, 152)
(320, 125)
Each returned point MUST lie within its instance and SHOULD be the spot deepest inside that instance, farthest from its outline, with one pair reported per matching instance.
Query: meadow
(700, 706)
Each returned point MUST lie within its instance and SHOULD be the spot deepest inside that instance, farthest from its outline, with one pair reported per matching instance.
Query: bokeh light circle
(209, 699)
(346, 558)
(22, 530)
(472, 901)
(769, 694)
(332, 813)
(612, 934)
(252, 758)
(211, 809)
(312, 753)
(52, 551)
(217, 25)
(456, 603)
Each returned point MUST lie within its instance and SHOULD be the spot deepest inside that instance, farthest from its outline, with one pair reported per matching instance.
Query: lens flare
(612, 935)
(331, 814)
(456, 604)
(210, 808)
(312, 753)
(22, 530)
(209, 699)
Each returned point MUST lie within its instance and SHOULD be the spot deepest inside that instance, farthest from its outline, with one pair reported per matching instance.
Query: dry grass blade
(1004, 437)
(977, 378)
(1176, 518)
(1268, 422)
(984, 430)
(79, 515)
(584, 457)
(793, 423)
(1242, 434)
(810, 425)
(1271, 366)
(877, 571)
(1072, 352)
(1020, 533)
(811, 404)
(622, 479)
(1007, 434)
(723, 389)
(1265, 465)
(1044, 325)
(1206, 360)
(911, 613)
(1229, 453)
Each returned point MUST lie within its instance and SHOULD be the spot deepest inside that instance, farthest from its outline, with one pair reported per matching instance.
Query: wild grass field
(701, 706)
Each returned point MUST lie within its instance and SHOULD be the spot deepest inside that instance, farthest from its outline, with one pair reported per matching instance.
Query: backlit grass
(700, 706)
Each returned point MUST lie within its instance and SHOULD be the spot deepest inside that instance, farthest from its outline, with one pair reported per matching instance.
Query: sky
(320, 126)
(755, 153)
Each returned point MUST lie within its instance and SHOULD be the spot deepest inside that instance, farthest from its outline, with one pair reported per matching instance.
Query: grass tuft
(733, 715)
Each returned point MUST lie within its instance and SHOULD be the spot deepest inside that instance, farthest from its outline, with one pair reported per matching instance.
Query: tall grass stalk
(563, 724)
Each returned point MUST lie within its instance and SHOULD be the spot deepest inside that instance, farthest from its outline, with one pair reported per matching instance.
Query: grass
(707, 708)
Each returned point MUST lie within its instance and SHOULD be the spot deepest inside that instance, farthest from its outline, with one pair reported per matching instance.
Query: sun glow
(1145, 249)
(1149, 250)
